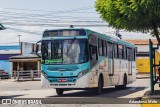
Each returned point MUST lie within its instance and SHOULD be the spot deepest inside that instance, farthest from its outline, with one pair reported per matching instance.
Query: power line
(17, 42)
(62, 11)
(44, 15)
(52, 22)
(33, 19)
(35, 14)
(8, 16)
(55, 25)
(15, 16)
(38, 14)
(24, 31)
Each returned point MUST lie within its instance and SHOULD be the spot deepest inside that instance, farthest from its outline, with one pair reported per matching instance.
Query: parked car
(4, 74)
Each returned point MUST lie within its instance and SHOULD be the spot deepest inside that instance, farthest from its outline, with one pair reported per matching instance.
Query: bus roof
(103, 36)
(111, 38)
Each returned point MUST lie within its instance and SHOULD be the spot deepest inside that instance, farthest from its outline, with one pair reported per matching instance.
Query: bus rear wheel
(122, 87)
(124, 82)
(59, 91)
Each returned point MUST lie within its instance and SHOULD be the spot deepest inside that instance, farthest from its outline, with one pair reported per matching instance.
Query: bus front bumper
(80, 83)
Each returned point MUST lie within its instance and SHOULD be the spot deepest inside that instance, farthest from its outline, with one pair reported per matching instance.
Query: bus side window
(105, 47)
(120, 51)
(90, 51)
(110, 50)
(129, 54)
(134, 54)
(115, 51)
(93, 50)
(124, 52)
(100, 47)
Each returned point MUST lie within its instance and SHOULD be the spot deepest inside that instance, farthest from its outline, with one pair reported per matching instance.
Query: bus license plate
(62, 80)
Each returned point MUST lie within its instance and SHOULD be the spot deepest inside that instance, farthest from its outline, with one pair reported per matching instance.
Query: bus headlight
(44, 74)
(82, 73)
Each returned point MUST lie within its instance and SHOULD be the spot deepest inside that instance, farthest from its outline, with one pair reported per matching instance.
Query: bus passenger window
(115, 51)
(120, 51)
(110, 50)
(100, 47)
(93, 50)
(129, 54)
(134, 54)
(105, 47)
(124, 52)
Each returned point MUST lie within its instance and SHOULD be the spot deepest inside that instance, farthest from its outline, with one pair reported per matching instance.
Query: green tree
(131, 15)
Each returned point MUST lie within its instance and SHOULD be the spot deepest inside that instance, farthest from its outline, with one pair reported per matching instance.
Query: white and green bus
(84, 59)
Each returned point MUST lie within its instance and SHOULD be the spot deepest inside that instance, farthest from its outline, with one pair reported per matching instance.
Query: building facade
(142, 55)
(5, 53)
(27, 60)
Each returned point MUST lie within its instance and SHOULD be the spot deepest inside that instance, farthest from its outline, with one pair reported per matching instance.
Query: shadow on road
(10, 96)
(107, 92)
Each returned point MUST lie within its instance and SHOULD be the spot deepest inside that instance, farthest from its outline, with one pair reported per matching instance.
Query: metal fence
(4, 76)
(27, 75)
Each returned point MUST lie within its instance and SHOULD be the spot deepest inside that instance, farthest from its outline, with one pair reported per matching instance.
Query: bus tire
(59, 91)
(99, 89)
(122, 87)
(124, 82)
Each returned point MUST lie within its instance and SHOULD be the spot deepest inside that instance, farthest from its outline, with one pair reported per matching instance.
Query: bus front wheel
(99, 89)
(59, 91)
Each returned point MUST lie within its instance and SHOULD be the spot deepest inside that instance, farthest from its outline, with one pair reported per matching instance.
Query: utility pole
(117, 34)
(19, 39)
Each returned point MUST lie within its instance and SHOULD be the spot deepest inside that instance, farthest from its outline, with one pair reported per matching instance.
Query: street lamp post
(19, 39)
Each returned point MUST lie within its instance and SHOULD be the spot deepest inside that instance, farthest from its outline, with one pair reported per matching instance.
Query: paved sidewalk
(142, 76)
(153, 100)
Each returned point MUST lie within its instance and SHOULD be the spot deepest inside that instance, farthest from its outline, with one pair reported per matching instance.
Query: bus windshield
(70, 51)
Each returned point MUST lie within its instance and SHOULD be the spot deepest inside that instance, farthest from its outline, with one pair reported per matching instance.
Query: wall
(143, 63)
(143, 48)
(5, 53)
(5, 65)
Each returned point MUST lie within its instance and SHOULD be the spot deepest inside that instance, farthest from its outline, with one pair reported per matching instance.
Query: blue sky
(16, 15)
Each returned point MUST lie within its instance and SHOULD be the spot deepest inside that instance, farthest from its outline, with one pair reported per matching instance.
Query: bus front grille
(62, 84)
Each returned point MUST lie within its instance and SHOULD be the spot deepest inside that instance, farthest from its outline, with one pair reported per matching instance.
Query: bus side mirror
(37, 49)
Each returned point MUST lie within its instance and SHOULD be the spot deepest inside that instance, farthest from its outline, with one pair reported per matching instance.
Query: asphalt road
(32, 89)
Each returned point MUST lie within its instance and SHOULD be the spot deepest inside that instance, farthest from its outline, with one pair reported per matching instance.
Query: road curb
(142, 77)
(153, 98)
